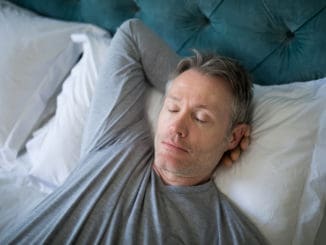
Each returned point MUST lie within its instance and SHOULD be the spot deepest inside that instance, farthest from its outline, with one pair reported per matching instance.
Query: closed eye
(201, 117)
(171, 107)
(173, 110)
(200, 120)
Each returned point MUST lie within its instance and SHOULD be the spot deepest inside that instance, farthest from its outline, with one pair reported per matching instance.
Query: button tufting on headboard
(290, 35)
(279, 41)
(205, 21)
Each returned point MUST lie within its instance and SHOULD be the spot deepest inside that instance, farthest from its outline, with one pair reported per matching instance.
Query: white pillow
(55, 148)
(36, 55)
(280, 181)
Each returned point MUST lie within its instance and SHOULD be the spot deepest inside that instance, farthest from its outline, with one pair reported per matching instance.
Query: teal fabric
(279, 41)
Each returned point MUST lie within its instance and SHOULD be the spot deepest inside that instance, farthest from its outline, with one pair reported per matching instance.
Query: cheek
(162, 121)
(159, 123)
(160, 127)
(211, 144)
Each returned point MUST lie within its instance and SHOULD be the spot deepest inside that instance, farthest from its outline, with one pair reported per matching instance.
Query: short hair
(230, 71)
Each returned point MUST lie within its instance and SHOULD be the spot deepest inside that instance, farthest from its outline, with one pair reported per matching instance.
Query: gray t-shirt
(114, 196)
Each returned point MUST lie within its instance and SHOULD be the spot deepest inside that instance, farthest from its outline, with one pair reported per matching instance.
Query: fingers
(230, 157)
(226, 160)
(248, 131)
(244, 143)
(235, 154)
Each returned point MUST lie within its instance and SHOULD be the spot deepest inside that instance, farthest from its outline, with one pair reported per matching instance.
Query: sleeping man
(125, 192)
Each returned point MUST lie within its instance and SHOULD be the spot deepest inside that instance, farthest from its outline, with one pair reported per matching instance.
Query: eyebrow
(200, 106)
(169, 96)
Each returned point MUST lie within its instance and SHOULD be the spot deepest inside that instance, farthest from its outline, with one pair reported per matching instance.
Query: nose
(178, 126)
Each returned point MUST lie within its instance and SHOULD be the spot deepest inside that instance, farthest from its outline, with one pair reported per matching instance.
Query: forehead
(199, 88)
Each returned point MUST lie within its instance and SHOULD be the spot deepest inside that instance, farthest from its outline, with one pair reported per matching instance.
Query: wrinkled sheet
(17, 193)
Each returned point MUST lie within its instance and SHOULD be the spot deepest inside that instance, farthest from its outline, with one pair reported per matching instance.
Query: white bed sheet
(18, 195)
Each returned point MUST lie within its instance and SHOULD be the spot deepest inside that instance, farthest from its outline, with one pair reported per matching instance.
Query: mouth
(175, 147)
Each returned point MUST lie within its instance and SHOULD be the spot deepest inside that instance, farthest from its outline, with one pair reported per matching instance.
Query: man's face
(192, 129)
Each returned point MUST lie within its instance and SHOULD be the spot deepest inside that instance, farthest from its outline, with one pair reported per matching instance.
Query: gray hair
(233, 73)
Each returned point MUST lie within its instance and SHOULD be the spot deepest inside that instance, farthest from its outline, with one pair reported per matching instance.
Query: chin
(171, 164)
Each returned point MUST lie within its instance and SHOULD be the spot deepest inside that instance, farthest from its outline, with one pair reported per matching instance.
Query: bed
(51, 53)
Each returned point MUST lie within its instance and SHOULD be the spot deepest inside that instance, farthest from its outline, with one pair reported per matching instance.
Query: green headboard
(278, 41)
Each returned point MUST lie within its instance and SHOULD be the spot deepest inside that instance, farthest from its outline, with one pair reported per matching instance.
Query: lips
(175, 147)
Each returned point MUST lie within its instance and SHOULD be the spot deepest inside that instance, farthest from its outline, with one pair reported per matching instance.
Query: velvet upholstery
(279, 41)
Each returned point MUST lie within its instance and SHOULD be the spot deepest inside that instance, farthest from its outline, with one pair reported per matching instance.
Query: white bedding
(37, 54)
(18, 194)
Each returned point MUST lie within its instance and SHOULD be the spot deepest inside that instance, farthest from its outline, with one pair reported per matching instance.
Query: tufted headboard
(278, 41)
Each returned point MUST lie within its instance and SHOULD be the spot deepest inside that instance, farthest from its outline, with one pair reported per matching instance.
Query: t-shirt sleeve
(136, 59)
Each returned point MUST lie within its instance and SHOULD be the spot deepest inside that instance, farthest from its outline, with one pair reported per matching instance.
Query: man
(210, 96)
(124, 193)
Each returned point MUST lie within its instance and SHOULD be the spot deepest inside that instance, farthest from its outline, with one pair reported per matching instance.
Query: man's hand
(231, 156)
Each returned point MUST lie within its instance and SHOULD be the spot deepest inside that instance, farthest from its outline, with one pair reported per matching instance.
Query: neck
(173, 179)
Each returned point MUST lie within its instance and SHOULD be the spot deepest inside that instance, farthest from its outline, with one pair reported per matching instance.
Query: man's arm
(136, 56)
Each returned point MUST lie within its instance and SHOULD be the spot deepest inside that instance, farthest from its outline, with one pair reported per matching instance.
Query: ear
(238, 132)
